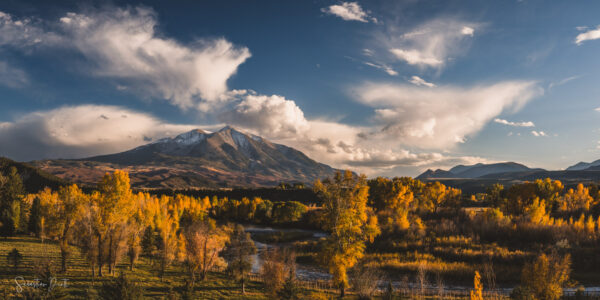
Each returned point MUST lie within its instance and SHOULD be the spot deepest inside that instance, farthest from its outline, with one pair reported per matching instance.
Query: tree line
(112, 224)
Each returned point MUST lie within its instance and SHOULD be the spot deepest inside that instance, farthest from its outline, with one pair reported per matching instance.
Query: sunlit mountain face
(198, 159)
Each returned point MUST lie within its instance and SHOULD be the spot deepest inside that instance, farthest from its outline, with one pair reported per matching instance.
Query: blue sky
(383, 87)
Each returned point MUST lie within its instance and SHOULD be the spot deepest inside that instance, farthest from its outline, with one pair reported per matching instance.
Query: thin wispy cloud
(592, 34)
(416, 80)
(441, 117)
(561, 82)
(514, 124)
(389, 70)
(12, 76)
(433, 43)
(349, 11)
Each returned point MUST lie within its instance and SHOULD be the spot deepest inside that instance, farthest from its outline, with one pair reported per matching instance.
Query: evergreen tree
(290, 289)
(35, 218)
(11, 195)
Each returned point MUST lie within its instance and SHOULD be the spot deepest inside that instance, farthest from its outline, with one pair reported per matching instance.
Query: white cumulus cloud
(538, 133)
(592, 34)
(81, 131)
(124, 44)
(272, 116)
(349, 11)
(23, 33)
(466, 30)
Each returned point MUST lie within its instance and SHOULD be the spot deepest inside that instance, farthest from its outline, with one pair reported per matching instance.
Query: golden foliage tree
(348, 220)
(114, 207)
(546, 276)
(578, 199)
(477, 292)
(164, 219)
(61, 212)
(536, 212)
(204, 240)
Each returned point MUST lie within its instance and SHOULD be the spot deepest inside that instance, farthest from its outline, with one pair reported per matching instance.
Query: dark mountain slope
(34, 179)
(226, 158)
(477, 170)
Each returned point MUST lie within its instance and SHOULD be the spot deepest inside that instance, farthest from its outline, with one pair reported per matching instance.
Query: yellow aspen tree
(590, 225)
(477, 292)
(349, 222)
(60, 211)
(65, 213)
(115, 207)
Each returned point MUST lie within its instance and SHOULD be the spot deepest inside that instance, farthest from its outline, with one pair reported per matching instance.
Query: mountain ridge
(476, 170)
(199, 159)
(583, 165)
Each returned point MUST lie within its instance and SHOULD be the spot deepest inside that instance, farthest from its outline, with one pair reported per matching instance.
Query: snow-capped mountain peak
(190, 137)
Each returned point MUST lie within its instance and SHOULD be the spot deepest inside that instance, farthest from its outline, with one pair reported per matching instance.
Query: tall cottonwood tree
(204, 240)
(239, 255)
(348, 220)
(85, 232)
(114, 206)
(163, 217)
(61, 212)
(392, 201)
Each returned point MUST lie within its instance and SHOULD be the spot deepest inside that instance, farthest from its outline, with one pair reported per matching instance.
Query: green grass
(216, 286)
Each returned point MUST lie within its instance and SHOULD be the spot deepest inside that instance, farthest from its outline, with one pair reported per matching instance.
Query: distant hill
(197, 159)
(34, 179)
(477, 178)
(583, 165)
(477, 170)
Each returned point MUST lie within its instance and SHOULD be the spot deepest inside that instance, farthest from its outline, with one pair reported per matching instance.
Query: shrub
(121, 288)
(521, 293)
(14, 258)
(290, 289)
(287, 212)
(364, 281)
(546, 276)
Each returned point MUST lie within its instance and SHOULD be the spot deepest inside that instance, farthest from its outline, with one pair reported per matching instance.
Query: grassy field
(217, 286)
